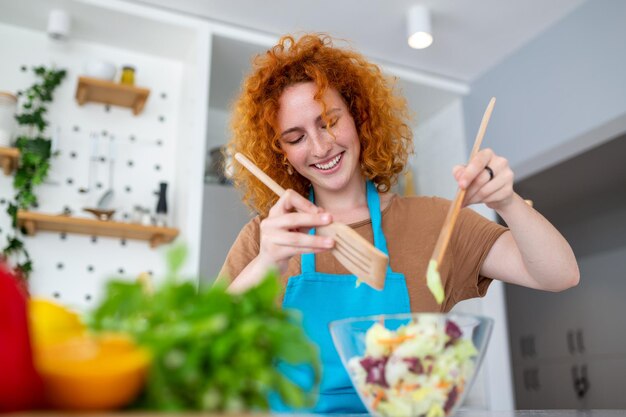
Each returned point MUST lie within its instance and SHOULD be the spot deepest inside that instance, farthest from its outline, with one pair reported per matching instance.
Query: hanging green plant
(35, 154)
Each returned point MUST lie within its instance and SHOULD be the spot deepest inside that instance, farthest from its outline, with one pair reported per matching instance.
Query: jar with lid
(8, 108)
(128, 75)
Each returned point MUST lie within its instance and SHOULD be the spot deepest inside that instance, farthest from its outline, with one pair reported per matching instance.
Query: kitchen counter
(462, 413)
(543, 413)
(518, 413)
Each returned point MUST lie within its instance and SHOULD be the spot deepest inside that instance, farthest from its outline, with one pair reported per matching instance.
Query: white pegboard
(74, 267)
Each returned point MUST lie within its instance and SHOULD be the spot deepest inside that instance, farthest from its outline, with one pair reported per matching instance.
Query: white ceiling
(471, 36)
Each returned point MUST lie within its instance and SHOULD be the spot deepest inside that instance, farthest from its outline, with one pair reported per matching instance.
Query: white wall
(561, 94)
(439, 145)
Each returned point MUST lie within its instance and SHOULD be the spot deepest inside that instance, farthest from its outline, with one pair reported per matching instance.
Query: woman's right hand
(284, 232)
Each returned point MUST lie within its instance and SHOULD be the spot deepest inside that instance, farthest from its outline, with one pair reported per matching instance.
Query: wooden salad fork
(355, 253)
(433, 278)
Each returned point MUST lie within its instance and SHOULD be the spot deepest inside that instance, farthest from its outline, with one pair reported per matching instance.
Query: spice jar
(8, 107)
(128, 75)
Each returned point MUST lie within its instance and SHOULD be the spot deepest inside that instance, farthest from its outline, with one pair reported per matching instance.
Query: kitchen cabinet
(574, 342)
(548, 329)
(579, 362)
(565, 339)
(543, 383)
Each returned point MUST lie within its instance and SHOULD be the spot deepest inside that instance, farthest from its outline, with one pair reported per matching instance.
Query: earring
(287, 165)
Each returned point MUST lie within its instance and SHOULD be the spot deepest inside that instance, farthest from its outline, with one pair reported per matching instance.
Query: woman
(326, 124)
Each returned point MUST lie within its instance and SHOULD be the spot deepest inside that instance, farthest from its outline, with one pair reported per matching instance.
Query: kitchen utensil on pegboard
(161, 208)
(105, 201)
(93, 165)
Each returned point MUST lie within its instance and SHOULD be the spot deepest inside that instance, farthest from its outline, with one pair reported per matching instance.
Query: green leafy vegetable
(212, 350)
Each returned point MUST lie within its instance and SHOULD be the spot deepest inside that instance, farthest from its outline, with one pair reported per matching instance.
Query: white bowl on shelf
(103, 70)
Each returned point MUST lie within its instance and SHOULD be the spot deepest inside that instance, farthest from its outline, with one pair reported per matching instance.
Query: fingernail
(326, 217)
(329, 243)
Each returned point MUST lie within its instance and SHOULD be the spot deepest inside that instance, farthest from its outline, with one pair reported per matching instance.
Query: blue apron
(323, 298)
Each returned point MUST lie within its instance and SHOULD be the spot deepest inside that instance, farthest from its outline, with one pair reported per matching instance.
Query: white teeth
(329, 165)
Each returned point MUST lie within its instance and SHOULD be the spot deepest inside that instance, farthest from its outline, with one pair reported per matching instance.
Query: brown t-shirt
(411, 226)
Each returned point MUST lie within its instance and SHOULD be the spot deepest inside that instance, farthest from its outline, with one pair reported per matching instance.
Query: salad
(420, 369)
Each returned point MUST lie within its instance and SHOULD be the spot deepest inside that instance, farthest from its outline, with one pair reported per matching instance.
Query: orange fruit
(92, 372)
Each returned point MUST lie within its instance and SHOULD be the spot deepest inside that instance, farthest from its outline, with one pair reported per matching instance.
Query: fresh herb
(212, 350)
(34, 160)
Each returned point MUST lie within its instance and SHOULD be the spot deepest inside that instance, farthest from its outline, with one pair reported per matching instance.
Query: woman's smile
(331, 165)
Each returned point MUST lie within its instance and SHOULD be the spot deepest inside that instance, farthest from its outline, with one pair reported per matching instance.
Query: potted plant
(35, 153)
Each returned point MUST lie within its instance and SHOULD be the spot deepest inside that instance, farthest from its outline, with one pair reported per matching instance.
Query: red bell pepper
(20, 385)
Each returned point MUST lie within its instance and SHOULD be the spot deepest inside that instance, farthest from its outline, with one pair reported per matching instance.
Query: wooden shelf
(34, 222)
(9, 158)
(108, 92)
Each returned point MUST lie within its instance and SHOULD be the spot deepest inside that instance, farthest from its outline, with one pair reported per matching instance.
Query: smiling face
(329, 163)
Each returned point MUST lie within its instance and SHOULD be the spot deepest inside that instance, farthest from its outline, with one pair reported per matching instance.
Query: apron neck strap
(307, 260)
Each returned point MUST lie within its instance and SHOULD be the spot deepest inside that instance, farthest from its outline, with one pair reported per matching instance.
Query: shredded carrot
(443, 384)
(396, 340)
(379, 396)
(410, 387)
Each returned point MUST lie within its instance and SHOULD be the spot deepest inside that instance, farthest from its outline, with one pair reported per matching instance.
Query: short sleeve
(471, 241)
(242, 252)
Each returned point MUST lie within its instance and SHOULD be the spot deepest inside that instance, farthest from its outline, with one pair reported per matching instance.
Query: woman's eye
(332, 123)
(296, 140)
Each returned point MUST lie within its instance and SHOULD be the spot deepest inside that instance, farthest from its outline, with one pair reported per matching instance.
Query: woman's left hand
(487, 178)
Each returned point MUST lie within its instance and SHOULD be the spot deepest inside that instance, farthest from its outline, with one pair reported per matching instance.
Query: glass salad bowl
(414, 364)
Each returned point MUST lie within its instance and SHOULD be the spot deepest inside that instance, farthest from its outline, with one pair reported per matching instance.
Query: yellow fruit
(52, 323)
(92, 372)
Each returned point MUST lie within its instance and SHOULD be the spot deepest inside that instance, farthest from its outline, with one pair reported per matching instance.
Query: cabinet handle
(580, 382)
(579, 341)
(535, 380)
(527, 346)
(522, 346)
(526, 380)
(570, 342)
(531, 379)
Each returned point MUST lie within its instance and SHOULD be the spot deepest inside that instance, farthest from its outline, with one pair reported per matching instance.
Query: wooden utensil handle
(262, 176)
(455, 207)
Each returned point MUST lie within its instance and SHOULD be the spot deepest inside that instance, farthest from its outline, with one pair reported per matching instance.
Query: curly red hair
(380, 115)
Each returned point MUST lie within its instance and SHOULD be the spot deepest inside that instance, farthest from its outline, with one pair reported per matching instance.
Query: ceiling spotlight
(59, 24)
(418, 27)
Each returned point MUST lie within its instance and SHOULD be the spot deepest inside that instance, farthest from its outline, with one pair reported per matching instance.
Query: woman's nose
(322, 144)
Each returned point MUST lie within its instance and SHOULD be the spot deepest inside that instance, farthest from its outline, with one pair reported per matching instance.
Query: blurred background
(556, 68)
